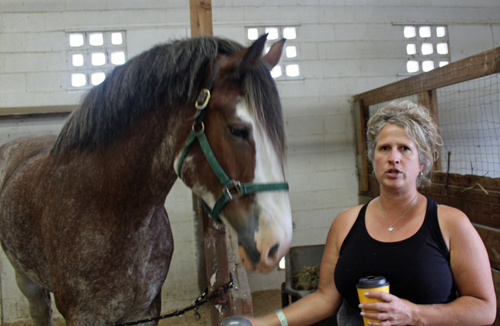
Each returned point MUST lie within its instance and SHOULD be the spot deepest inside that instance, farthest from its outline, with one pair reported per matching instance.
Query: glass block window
(92, 54)
(427, 47)
(289, 67)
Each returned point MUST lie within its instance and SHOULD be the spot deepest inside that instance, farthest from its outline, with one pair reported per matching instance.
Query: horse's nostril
(274, 250)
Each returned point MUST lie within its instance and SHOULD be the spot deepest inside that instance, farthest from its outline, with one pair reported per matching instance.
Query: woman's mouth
(393, 172)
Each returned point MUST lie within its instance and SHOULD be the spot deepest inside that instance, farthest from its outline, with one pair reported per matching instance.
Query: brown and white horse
(82, 215)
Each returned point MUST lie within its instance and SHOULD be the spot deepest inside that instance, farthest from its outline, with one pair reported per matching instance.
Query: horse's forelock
(264, 103)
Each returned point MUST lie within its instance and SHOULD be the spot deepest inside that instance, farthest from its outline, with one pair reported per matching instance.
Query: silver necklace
(391, 227)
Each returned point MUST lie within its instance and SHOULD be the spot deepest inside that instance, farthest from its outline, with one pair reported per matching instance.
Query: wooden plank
(433, 108)
(373, 186)
(22, 111)
(201, 24)
(242, 297)
(201, 17)
(476, 196)
(217, 248)
(496, 281)
(428, 99)
(216, 261)
(213, 245)
(479, 65)
(199, 238)
(491, 239)
(361, 159)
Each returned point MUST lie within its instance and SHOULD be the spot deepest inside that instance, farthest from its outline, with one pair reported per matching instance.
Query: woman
(431, 254)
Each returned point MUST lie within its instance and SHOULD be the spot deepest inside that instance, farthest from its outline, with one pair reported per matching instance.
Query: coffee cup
(371, 283)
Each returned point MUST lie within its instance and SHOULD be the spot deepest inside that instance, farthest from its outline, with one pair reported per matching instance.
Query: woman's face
(396, 161)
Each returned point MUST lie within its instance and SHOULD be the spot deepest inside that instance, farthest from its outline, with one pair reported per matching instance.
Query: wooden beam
(201, 17)
(360, 116)
(216, 247)
(496, 282)
(479, 65)
(22, 111)
(219, 251)
(476, 196)
(428, 99)
(491, 240)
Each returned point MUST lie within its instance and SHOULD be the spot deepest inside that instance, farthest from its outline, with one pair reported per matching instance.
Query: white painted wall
(347, 47)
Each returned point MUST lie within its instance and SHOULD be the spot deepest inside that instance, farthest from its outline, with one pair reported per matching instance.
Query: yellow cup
(371, 283)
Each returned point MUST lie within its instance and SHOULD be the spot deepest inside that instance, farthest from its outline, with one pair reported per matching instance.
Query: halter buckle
(236, 185)
(203, 99)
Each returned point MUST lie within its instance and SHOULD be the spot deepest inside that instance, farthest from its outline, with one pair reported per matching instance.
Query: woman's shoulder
(348, 216)
(454, 223)
(451, 215)
(344, 221)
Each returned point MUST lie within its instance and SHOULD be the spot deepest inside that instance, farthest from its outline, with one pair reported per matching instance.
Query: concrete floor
(263, 302)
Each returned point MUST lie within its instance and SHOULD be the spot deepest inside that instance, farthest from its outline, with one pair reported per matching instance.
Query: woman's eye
(239, 131)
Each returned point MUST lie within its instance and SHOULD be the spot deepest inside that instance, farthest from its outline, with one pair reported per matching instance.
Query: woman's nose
(395, 157)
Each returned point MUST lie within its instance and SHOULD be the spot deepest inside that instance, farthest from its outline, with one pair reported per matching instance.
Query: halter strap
(204, 96)
(231, 189)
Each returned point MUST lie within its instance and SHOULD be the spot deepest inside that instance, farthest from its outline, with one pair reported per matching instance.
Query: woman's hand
(391, 311)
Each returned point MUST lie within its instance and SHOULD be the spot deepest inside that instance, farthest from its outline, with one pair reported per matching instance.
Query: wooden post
(428, 99)
(216, 261)
(201, 17)
(201, 24)
(216, 247)
(360, 118)
(219, 250)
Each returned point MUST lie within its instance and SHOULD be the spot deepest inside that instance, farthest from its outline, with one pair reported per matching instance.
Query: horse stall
(464, 97)
(334, 49)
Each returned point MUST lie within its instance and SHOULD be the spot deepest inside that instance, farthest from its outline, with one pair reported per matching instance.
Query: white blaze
(275, 220)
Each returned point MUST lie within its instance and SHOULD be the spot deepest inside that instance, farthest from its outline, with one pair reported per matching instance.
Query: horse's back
(16, 152)
(20, 162)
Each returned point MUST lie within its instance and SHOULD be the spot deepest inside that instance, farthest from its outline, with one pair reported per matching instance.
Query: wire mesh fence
(469, 124)
(469, 120)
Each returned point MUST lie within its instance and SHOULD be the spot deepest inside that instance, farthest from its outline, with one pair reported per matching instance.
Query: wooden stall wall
(477, 196)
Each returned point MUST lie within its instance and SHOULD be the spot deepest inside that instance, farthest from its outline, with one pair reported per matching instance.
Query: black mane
(166, 75)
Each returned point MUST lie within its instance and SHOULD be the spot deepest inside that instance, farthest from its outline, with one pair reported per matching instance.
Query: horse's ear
(273, 56)
(253, 54)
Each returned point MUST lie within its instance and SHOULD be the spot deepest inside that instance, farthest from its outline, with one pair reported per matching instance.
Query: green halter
(231, 189)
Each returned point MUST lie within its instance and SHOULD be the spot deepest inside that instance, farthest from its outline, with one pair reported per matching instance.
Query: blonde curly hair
(418, 125)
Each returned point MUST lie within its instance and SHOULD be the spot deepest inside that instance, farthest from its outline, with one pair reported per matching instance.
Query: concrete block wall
(346, 47)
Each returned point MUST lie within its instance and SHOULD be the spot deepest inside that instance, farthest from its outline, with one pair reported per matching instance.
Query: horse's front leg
(38, 298)
(154, 310)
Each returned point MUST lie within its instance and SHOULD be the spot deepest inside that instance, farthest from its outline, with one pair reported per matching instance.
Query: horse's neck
(143, 156)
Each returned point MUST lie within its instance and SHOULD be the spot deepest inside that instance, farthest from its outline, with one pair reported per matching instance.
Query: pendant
(390, 228)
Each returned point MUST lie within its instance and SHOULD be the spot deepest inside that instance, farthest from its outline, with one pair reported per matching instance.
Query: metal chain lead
(201, 300)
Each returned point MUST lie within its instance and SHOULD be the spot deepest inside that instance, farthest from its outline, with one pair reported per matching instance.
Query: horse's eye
(239, 131)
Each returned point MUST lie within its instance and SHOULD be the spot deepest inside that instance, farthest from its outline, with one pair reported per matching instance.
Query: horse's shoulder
(18, 152)
(25, 146)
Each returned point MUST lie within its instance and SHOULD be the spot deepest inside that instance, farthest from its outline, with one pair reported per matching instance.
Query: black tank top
(418, 268)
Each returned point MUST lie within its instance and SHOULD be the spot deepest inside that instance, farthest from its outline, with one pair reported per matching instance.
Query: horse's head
(242, 127)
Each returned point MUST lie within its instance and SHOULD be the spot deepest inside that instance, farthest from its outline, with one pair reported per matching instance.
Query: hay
(306, 279)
